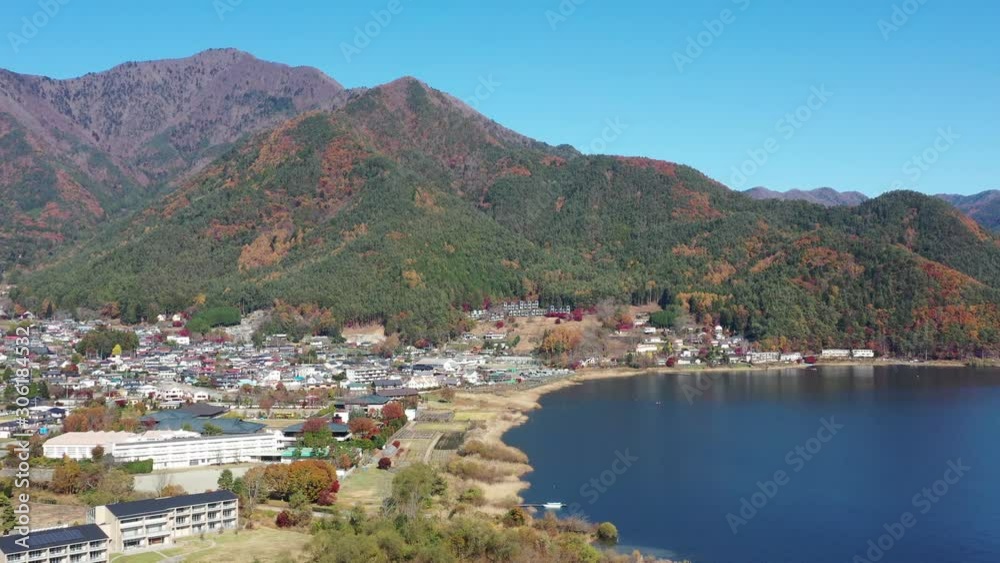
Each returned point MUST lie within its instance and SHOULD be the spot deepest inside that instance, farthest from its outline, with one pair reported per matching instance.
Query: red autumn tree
(362, 426)
(384, 463)
(392, 411)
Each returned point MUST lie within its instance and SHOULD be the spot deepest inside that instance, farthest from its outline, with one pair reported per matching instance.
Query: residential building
(829, 353)
(208, 450)
(72, 544)
(862, 353)
(159, 522)
(167, 449)
(763, 357)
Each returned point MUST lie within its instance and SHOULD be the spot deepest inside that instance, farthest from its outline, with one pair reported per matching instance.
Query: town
(160, 400)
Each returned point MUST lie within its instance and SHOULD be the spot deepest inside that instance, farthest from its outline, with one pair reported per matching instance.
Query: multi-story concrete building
(167, 449)
(157, 522)
(213, 450)
(73, 544)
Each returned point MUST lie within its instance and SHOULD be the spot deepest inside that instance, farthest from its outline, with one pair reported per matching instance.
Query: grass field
(457, 426)
(262, 544)
(365, 487)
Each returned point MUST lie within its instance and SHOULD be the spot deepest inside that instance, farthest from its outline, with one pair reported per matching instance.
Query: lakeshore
(874, 435)
(502, 409)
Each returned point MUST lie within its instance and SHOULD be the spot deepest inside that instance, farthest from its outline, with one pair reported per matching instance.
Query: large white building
(167, 449)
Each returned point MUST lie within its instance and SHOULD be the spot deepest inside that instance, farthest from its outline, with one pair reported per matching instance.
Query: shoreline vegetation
(500, 410)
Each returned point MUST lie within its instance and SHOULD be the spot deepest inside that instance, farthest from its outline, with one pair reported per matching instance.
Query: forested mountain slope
(405, 205)
(75, 153)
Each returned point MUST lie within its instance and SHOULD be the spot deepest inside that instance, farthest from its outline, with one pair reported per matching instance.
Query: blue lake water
(827, 459)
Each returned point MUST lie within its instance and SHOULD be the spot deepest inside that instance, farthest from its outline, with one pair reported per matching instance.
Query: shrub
(284, 519)
(515, 517)
(468, 469)
(395, 443)
(137, 467)
(607, 533)
(384, 463)
(473, 495)
(493, 452)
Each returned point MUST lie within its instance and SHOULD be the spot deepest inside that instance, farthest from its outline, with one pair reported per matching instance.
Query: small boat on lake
(552, 505)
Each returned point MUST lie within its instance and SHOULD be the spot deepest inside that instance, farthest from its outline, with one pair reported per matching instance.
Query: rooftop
(52, 538)
(151, 506)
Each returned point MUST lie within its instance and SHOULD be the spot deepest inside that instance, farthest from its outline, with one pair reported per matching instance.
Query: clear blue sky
(562, 78)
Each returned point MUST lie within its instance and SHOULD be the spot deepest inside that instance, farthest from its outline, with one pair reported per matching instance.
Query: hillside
(404, 206)
(78, 152)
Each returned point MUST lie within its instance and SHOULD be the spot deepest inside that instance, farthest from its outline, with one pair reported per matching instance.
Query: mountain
(823, 196)
(984, 207)
(405, 206)
(77, 152)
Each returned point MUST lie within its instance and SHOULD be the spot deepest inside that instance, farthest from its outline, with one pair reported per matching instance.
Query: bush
(473, 495)
(468, 469)
(138, 467)
(493, 452)
(384, 463)
(284, 520)
(607, 533)
(515, 517)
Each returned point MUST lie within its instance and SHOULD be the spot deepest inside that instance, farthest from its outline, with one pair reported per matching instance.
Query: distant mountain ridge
(984, 207)
(823, 196)
(75, 152)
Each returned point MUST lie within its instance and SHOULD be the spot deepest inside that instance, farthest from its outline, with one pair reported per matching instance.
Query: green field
(366, 487)
(262, 544)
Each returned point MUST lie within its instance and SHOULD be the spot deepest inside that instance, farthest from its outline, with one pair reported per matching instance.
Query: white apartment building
(835, 353)
(158, 522)
(763, 357)
(71, 544)
(208, 450)
(167, 449)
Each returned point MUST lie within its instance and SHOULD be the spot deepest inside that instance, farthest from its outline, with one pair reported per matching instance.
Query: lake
(814, 465)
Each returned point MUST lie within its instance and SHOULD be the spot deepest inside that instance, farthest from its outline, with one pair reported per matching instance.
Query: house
(791, 357)
(763, 357)
(646, 348)
(70, 544)
(862, 353)
(834, 353)
(292, 433)
(159, 522)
